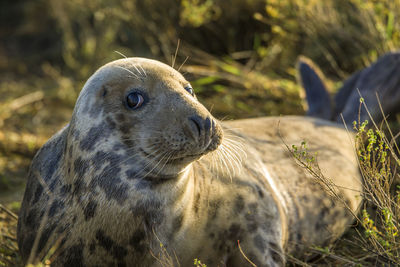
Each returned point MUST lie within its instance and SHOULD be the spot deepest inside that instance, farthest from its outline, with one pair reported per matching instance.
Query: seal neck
(177, 187)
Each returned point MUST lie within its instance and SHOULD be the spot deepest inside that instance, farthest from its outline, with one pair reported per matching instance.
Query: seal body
(143, 175)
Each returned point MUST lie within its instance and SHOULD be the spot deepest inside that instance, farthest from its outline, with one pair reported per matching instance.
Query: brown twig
(244, 255)
(9, 212)
(25, 100)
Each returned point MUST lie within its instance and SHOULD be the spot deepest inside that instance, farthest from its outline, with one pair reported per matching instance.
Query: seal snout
(199, 126)
(204, 131)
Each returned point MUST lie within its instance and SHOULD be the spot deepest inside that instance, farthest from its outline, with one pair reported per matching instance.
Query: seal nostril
(197, 122)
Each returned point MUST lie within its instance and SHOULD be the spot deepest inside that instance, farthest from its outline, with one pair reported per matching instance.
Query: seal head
(149, 109)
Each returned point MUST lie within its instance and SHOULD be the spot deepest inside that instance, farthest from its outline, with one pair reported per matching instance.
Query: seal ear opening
(318, 98)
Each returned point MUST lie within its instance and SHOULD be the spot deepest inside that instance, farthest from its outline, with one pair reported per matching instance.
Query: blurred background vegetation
(240, 56)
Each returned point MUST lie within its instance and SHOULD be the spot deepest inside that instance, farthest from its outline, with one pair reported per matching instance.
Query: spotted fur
(116, 183)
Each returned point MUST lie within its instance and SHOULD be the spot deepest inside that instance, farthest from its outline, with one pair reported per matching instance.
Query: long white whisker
(165, 163)
(140, 66)
(150, 162)
(223, 162)
(187, 57)
(141, 74)
(128, 71)
(120, 53)
(155, 165)
(228, 158)
(176, 53)
(114, 165)
(235, 145)
(236, 159)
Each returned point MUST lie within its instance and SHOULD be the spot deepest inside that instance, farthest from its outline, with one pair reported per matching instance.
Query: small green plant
(198, 263)
(304, 157)
(375, 154)
(163, 257)
(309, 161)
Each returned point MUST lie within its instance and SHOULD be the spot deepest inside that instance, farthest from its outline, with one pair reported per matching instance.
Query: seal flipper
(383, 78)
(318, 99)
(343, 94)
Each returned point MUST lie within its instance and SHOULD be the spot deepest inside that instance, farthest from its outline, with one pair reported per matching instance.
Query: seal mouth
(193, 157)
(148, 155)
(184, 156)
(180, 159)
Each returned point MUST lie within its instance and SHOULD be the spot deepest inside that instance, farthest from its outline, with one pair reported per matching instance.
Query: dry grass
(8, 243)
(374, 240)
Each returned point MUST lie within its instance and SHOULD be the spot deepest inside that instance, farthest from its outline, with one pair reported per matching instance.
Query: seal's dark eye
(190, 90)
(134, 100)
